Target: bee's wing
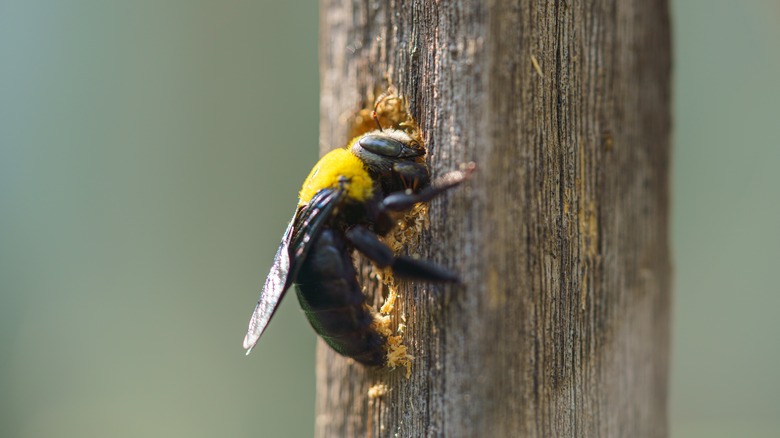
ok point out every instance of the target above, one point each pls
(305, 226)
(273, 291)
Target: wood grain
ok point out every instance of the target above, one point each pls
(561, 237)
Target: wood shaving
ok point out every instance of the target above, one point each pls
(377, 391)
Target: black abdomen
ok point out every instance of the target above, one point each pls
(334, 303)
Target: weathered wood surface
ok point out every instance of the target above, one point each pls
(562, 327)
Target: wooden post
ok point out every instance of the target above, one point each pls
(561, 237)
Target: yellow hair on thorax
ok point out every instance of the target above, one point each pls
(337, 164)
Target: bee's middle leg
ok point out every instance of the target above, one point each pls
(368, 243)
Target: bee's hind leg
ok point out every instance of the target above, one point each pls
(367, 242)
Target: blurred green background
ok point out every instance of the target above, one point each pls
(150, 154)
(726, 219)
(151, 157)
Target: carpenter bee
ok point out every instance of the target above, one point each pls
(352, 196)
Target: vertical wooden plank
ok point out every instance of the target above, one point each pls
(562, 326)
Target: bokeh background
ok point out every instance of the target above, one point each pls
(150, 154)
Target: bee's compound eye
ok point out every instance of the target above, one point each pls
(381, 145)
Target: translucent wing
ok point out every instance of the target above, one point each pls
(272, 293)
(306, 225)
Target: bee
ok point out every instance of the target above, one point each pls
(351, 198)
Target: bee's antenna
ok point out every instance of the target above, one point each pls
(379, 100)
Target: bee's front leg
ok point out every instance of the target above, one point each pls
(401, 201)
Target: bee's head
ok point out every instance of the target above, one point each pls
(379, 150)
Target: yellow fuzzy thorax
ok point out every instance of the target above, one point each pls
(337, 164)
